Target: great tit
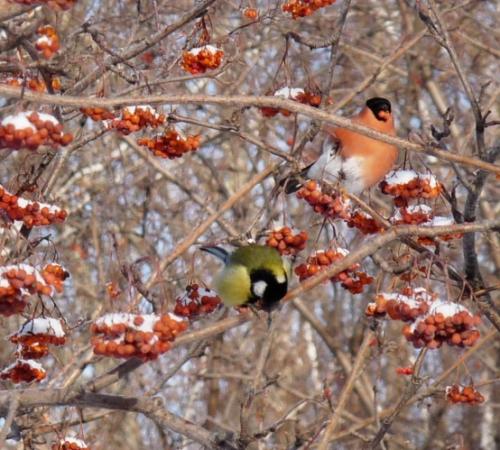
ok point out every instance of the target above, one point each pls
(352, 159)
(254, 275)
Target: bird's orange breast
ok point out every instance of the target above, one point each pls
(378, 157)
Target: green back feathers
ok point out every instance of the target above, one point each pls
(260, 257)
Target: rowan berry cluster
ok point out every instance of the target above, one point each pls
(41, 330)
(331, 205)
(54, 275)
(405, 306)
(70, 443)
(54, 4)
(296, 94)
(33, 83)
(144, 336)
(408, 184)
(23, 371)
(199, 60)
(304, 8)
(172, 144)
(35, 350)
(444, 322)
(350, 278)
(33, 338)
(250, 13)
(364, 222)
(412, 215)
(48, 42)
(97, 114)
(404, 370)
(135, 118)
(287, 243)
(196, 301)
(438, 221)
(30, 212)
(30, 130)
(463, 394)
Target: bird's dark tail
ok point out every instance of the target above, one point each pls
(294, 182)
(218, 252)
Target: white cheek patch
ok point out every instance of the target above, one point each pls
(281, 279)
(258, 288)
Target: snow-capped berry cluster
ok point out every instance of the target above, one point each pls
(30, 130)
(30, 212)
(350, 279)
(332, 206)
(287, 243)
(97, 114)
(412, 215)
(54, 4)
(196, 301)
(303, 8)
(463, 394)
(439, 221)
(145, 336)
(54, 275)
(364, 222)
(405, 306)
(48, 42)
(297, 94)
(408, 184)
(200, 59)
(23, 371)
(172, 144)
(135, 118)
(33, 338)
(17, 283)
(444, 322)
(41, 330)
(33, 83)
(70, 443)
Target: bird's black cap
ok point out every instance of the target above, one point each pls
(377, 104)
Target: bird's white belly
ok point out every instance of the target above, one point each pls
(334, 169)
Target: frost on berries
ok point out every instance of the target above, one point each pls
(31, 213)
(17, 283)
(144, 336)
(196, 301)
(463, 394)
(445, 322)
(408, 184)
(30, 130)
(296, 94)
(135, 118)
(172, 144)
(405, 306)
(23, 371)
(350, 278)
(304, 8)
(42, 330)
(285, 241)
(200, 59)
(70, 443)
(48, 42)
